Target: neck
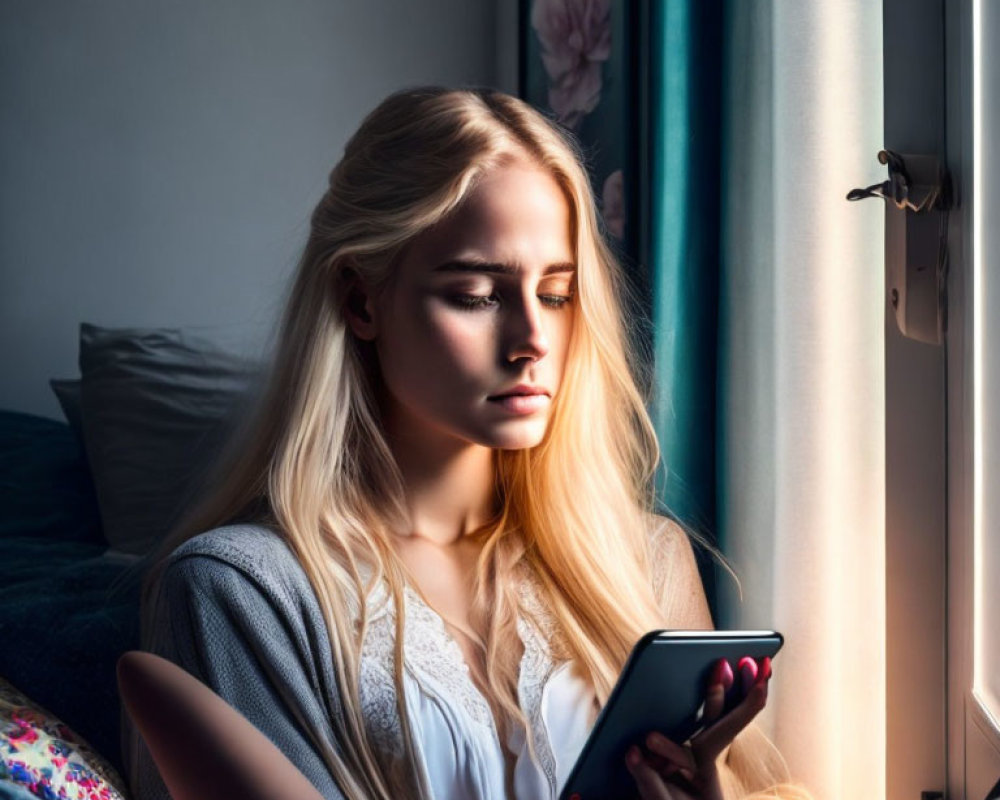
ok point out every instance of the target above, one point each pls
(450, 489)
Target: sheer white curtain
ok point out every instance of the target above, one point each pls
(802, 459)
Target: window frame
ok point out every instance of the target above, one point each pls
(915, 443)
(973, 737)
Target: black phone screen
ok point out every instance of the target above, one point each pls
(661, 688)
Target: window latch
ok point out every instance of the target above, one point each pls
(918, 196)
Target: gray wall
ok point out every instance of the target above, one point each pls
(159, 160)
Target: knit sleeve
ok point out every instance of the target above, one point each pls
(253, 646)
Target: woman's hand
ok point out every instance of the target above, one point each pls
(670, 771)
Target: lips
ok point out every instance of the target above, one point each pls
(522, 399)
(521, 390)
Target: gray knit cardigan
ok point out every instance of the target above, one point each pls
(236, 610)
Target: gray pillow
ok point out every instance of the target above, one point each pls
(156, 406)
(67, 392)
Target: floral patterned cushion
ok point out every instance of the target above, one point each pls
(39, 754)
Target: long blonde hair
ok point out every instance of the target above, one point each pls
(315, 466)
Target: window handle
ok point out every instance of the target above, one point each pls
(918, 196)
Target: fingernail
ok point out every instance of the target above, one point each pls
(722, 674)
(765, 669)
(727, 674)
(655, 740)
(633, 757)
(748, 672)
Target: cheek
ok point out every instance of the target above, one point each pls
(431, 343)
(463, 339)
(560, 339)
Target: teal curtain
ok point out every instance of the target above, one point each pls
(684, 104)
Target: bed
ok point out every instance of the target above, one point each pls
(84, 499)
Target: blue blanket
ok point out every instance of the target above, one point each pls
(66, 613)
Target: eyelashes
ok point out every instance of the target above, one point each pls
(476, 302)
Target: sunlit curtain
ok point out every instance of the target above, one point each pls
(801, 459)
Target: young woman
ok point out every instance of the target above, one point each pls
(425, 562)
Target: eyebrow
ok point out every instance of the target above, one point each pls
(500, 269)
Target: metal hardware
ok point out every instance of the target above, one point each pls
(929, 190)
(918, 195)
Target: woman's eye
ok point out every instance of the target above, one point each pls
(555, 300)
(474, 301)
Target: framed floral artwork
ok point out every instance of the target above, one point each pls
(579, 65)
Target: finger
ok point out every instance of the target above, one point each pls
(679, 757)
(714, 739)
(715, 699)
(747, 669)
(649, 783)
(726, 674)
(715, 695)
(659, 763)
(764, 669)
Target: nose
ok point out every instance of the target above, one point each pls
(525, 333)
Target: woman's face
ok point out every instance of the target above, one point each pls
(473, 331)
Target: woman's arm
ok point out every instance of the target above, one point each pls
(204, 749)
(249, 643)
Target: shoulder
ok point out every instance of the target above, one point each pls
(669, 544)
(228, 586)
(233, 543)
(676, 577)
(237, 562)
(665, 531)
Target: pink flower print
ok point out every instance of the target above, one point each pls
(613, 205)
(27, 716)
(576, 40)
(23, 734)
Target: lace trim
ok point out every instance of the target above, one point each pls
(537, 666)
(435, 658)
(377, 690)
(431, 650)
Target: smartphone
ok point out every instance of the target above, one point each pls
(661, 688)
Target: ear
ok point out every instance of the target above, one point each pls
(359, 308)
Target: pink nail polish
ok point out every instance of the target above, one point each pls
(748, 673)
(727, 675)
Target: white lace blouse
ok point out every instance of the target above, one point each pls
(455, 733)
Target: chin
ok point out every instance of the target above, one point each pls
(522, 436)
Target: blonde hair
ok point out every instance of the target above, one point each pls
(315, 466)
